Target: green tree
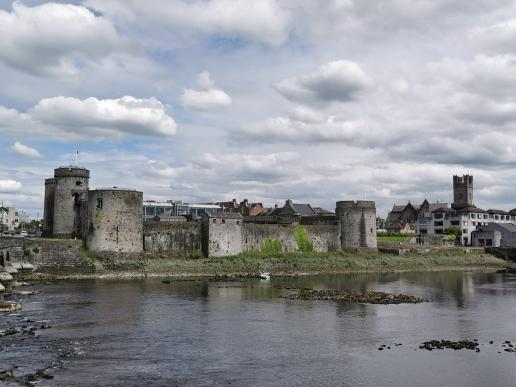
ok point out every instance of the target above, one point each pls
(453, 231)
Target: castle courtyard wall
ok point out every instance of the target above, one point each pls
(173, 239)
(324, 237)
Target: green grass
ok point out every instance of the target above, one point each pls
(392, 238)
(298, 262)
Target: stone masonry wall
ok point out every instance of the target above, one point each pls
(324, 237)
(222, 237)
(46, 254)
(172, 238)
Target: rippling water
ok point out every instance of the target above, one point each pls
(145, 332)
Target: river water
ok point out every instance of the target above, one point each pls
(146, 332)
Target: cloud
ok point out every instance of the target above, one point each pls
(67, 118)
(54, 39)
(337, 81)
(497, 37)
(263, 21)
(9, 186)
(25, 150)
(313, 130)
(208, 99)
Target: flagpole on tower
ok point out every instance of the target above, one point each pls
(77, 158)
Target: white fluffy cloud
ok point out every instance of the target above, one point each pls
(66, 118)
(25, 150)
(8, 186)
(54, 39)
(207, 99)
(337, 81)
(263, 21)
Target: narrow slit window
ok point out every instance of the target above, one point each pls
(100, 203)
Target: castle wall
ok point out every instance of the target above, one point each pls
(70, 184)
(358, 224)
(172, 238)
(115, 219)
(324, 237)
(48, 207)
(222, 237)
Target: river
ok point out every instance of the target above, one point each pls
(146, 332)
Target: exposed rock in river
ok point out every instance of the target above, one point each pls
(448, 344)
(362, 297)
(9, 306)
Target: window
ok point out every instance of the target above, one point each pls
(214, 221)
(438, 224)
(238, 222)
(455, 223)
(485, 216)
(472, 216)
(223, 220)
(439, 231)
(465, 223)
(465, 231)
(478, 216)
(489, 242)
(497, 217)
(78, 183)
(438, 215)
(481, 242)
(423, 231)
(100, 204)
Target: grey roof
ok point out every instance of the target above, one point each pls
(225, 215)
(398, 207)
(303, 209)
(469, 209)
(507, 226)
(444, 209)
(499, 212)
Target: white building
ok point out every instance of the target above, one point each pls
(152, 208)
(11, 218)
(461, 214)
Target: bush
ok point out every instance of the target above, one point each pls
(303, 241)
(197, 254)
(271, 246)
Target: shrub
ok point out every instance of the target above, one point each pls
(197, 254)
(271, 246)
(303, 241)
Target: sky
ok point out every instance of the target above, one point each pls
(210, 100)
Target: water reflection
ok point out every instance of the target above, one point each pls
(199, 332)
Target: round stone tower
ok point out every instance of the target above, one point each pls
(115, 218)
(358, 224)
(48, 209)
(71, 187)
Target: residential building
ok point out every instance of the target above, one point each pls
(462, 214)
(12, 218)
(494, 234)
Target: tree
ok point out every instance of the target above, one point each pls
(453, 231)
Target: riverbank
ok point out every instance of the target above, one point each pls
(282, 264)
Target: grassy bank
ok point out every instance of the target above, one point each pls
(296, 263)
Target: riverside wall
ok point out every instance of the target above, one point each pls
(44, 254)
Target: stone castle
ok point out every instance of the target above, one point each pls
(111, 220)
